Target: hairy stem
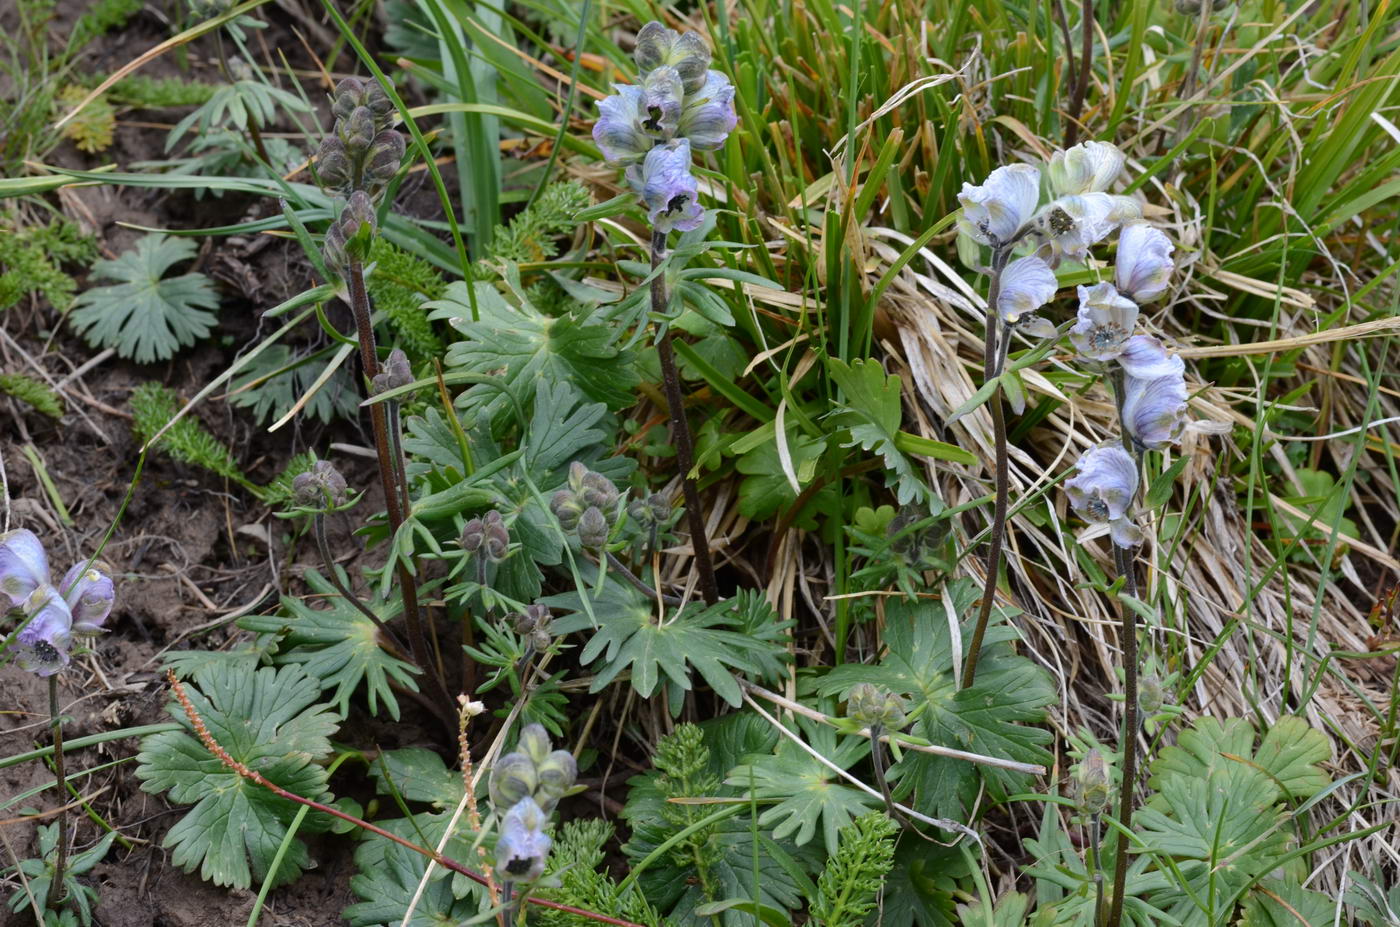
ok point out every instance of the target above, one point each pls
(1124, 561)
(1081, 83)
(395, 495)
(640, 584)
(1096, 839)
(680, 431)
(993, 355)
(56, 892)
(445, 862)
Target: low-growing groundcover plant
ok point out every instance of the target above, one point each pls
(822, 464)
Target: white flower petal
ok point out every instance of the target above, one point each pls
(1026, 284)
(1089, 167)
(994, 212)
(1105, 324)
(1144, 262)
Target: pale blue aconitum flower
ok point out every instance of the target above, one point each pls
(993, 213)
(1089, 167)
(1073, 224)
(658, 46)
(1144, 262)
(1102, 491)
(665, 184)
(1026, 284)
(618, 133)
(663, 95)
(80, 605)
(522, 847)
(1144, 358)
(1106, 321)
(708, 116)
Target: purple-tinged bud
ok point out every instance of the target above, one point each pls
(708, 116)
(1154, 408)
(534, 616)
(349, 93)
(42, 647)
(658, 47)
(396, 372)
(1106, 322)
(1089, 167)
(385, 156)
(90, 595)
(665, 184)
(513, 777)
(473, 535)
(598, 490)
(592, 528)
(320, 486)
(496, 539)
(1144, 262)
(522, 847)
(357, 131)
(565, 506)
(333, 163)
(24, 566)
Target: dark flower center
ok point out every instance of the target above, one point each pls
(1098, 509)
(677, 203)
(1060, 221)
(46, 652)
(1105, 336)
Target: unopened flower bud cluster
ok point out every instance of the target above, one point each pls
(360, 155)
(873, 706)
(79, 605)
(487, 536)
(677, 106)
(525, 787)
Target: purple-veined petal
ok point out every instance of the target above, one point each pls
(1105, 482)
(1089, 167)
(522, 847)
(666, 186)
(1026, 284)
(618, 133)
(662, 99)
(24, 566)
(1144, 358)
(90, 594)
(709, 115)
(1144, 262)
(1154, 409)
(42, 647)
(995, 211)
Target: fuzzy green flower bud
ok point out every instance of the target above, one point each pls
(659, 47)
(385, 156)
(874, 706)
(592, 528)
(534, 743)
(357, 130)
(557, 773)
(1092, 786)
(496, 542)
(566, 507)
(512, 778)
(1151, 694)
(333, 165)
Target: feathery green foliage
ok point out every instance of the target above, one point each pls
(32, 258)
(853, 876)
(188, 441)
(34, 392)
(401, 286)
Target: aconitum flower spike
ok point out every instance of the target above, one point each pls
(1089, 167)
(1105, 324)
(513, 777)
(1144, 262)
(662, 98)
(24, 566)
(995, 211)
(665, 184)
(523, 846)
(90, 594)
(659, 47)
(708, 116)
(1154, 409)
(1026, 284)
(618, 131)
(1103, 489)
(42, 647)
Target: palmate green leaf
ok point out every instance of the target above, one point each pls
(808, 793)
(872, 413)
(146, 316)
(388, 874)
(562, 428)
(267, 720)
(701, 638)
(525, 347)
(992, 717)
(1289, 754)
(1371, 903)
(919, 889)
(1224, 830)
(766, 490)
(339, 646)
(1284, 903)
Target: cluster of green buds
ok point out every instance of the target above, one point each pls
(536, 625)
(396, 372)
(650, 511)
(350, 235)
(875, 707)
(588, 505)
(488, 536)
(525, 787)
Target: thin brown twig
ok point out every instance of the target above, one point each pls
(1081, 83)
(446, 862)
